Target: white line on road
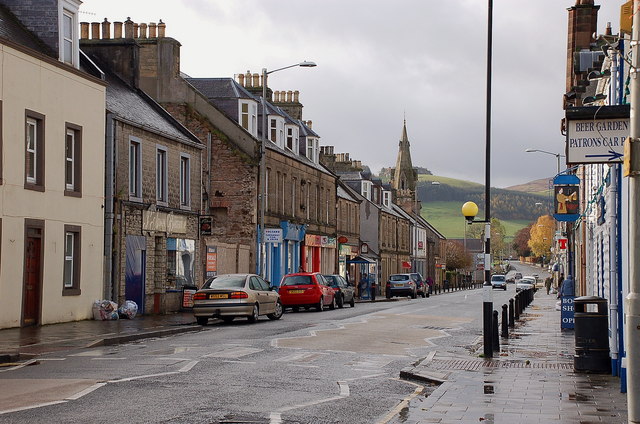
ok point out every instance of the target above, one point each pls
(395, 411)
(188, 367)
(22, 365)
(86, 391)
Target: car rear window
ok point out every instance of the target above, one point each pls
(332, 280)
(225, 282)
(398, 277)
(297, 280)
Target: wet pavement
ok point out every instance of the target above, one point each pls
(530, 381)
(24, 343)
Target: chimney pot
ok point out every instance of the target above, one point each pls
(310, 124)
(95, 30)
(162, 27)
(84, 30)
(106, 29)
(128, 28)
(143, 30)
(241, 79)
(247, 77)
(289, 95)
(256, 80)
(296, 95)
(117, 30)
(136, 30)
(152, 30)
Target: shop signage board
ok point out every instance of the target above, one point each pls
(273, 235)
(567, 312)
(596, 134)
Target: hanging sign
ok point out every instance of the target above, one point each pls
(596, 134)
(566, 198)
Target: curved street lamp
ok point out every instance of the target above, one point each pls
(557, 155)
(263, 168)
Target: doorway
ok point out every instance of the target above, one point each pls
(135, 270)
(32, 289)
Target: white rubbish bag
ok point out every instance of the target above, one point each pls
(128, 310)
(105, 310)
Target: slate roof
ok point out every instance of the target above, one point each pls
(343, 193)
(220, 88)
(139, 109)
(13, 30)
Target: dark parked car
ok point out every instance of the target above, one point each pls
(306, 289)
(401, 285)
(422, 288)
(344, 292)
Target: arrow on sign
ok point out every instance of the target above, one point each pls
(612, 155)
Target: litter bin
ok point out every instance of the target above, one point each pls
(591, 334)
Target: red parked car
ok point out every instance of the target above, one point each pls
(306, 289)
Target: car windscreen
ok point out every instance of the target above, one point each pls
(225, 282)
(297, 280)
(398, 277)
(497, 278)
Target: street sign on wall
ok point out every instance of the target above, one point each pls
(596, 134)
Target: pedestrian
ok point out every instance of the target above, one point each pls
(429, 284)
(567, 288)
(547, 284)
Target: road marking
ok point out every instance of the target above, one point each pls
(395, 411)
(233, 352)
(39, 405)
(108, 359)
(22, 365)
(86, 391)
(139, 377)
(188, 367)
(234, 361)
(303, 366)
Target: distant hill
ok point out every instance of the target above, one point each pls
(443, 197)
(540, 186)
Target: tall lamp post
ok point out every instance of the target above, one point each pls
(263, 167)
(557, 155)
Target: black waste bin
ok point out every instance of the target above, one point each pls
(591, 335)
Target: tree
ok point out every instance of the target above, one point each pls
(541, 236)
(497, 235)
(521, 241)
(457, 256)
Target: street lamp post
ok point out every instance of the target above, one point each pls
(557, 155)
(263, 167)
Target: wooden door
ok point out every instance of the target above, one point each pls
(32, 277)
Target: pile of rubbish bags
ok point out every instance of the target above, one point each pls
(106, 310)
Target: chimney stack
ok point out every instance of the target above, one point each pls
(256, 80)
(247, 79)
(241, 79)
(106, 29)
(95, 30)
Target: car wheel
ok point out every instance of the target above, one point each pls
(277, 313)
(340, 301)
(254, 314)
(320, 304)
(388, 295)
(227, 319)
(332, 306)
(202, 320)
(353, 301)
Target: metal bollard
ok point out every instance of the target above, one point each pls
(512, 314)
(496, 339)
(517, 308)
(505, 322)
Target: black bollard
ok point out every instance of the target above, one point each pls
(512, 314)
(505, 323)
(496, 339)
(517, 306)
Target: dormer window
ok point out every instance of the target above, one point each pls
(276, 130)
(68, 33)
(386, 198)
(248, 116)
(312, 149)
(366, 190)
(292, 137)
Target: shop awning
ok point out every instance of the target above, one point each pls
(363, 259)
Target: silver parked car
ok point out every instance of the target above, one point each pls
(236, 295)
(344, 292)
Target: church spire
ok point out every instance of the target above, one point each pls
(404, 176)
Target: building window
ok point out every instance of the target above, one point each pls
(249, 117)
(366, 190)
(386, 198)
(292, 138)
(273, 130)
(135, 169)
(266, 189)
(68, 35)
(161, 174)
(34, 151)
(294, 189)
(312, 149)
(71, 274)
(185, 181)
(73, 160)
(284, 194)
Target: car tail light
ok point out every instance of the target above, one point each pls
(238, 295)
(199, 296)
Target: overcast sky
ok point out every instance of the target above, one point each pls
(379, 61)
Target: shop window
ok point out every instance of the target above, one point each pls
(181, 256)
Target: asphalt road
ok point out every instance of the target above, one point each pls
(330, 367)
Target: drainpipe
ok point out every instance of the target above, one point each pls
(612, 220)
(110, 289)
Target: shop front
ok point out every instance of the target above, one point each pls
(319, 254)
(283, 246)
